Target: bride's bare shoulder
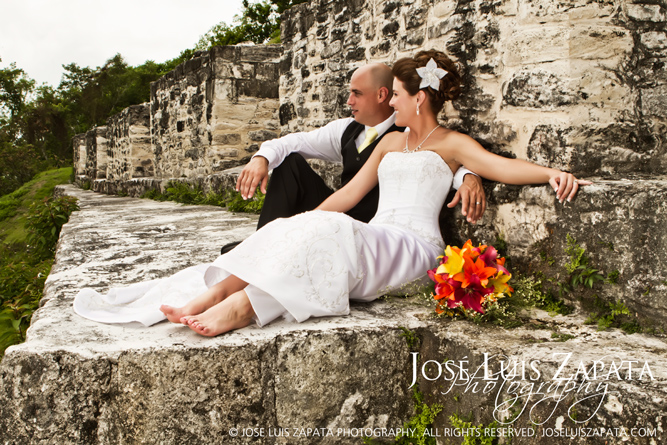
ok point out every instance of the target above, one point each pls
(391, 142)
(394, 136)
(454, 138)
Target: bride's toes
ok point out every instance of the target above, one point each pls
(173, 314)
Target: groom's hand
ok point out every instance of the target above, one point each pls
(254, 173)
(472, 198)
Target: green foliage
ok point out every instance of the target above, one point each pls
(581, 272)
(187, 194)
(236, 203)
(557, 336)
(576, 254)
(420, 422)
(21, 285)
(15, 86)
(613, 314)
(547, 259)
(480, 436)
(528, 292)
(411, 338)
(10, 203)
(45, 221)
(24, 269)
(612, 278)
(19, 162)
(259, 22)
(15, 205)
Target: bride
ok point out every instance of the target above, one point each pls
(312, 264)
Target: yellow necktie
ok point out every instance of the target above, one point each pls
(371, 134)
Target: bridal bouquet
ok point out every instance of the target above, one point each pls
(469, 278)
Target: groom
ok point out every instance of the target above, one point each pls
(296, 188)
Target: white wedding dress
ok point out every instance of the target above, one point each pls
(313, 264)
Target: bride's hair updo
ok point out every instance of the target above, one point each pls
(405, 70)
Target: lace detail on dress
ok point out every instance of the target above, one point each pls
(320, 242)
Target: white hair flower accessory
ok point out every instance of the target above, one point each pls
(431, 75)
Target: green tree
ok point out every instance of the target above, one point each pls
(15, 86)
(259, 23)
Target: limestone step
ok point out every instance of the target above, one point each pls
(76, 381)
(620, 223)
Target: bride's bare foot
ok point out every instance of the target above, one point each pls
(214, 295)
(234, 312)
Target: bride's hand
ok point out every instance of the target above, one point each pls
(566, 185)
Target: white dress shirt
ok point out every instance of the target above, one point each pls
(324, 143)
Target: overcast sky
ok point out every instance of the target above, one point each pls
(42, 35)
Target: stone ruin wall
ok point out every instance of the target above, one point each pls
(129, 149)
(79, 153)
(212, 112)
(209, 114)
(580, 85)
(96, 140)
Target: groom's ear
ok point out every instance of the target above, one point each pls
(383, 94)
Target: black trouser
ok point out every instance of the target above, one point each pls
(294, 188)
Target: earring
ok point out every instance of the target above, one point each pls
(417, 109)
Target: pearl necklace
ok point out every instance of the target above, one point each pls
(407, 150)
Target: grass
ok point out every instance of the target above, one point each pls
(29, 227)
(14, 206)
(189, 194)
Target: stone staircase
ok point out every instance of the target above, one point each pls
(329, 380)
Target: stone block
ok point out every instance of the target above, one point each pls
(243, 70)
(75, 381)
(538, 89)
(654, 40)
(624, 214)
(227, 138)
(526, 45)
(262, 135)
(332, 49)
(646, 13)
(608, 44)
(444, 8)
(548, 11)
(654, 101)
(257, 88)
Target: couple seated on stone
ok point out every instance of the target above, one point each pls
(312, 264)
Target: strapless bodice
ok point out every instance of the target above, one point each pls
(413, 188)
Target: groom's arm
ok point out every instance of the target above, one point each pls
(323, 143)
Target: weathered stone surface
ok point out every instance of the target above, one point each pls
(96, 142)
(578, 85)
(130, 151)
(79, 153)
(76, 381)
(646, 13)
(538, 89)
(217, 99)
(620, 223)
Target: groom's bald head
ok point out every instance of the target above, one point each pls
(381, 75)
(370, 92)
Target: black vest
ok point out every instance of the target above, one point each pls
(352, 163)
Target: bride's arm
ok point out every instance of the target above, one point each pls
(362, 183)
(512, 171)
